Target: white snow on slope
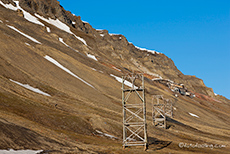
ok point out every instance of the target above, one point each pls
(27, 44)
(96, 70)
(111, 34)
(193, 115)
(57, 23)
(9, 6)
(92, 57)
(11, 151)
(154, 74)
(99, 29)
(26, 14)
(62, 41)
(30, 88)
(102, 35)
(150, 51)
(93, 69)
(107, 135)
(127, 83)
(81, 39)
(48, 29)
(116, 68)
(29, 37)
(1, 20)
(85, 22)
(65, 69)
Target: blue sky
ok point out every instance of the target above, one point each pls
(195, 34)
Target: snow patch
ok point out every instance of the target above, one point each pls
(111, 34)
(99, 29)
(93, 69)
(154, 74)
(81, 39)
(156, 79)
(84, 22)
(127, 83)
(150, 51)
(11, 151)
(30, 88)
(193, 115)
(26, 14)
(62, 41)
(116, 68)
(96, 70)
(9, 6)
(106, 135)
(57, 23)
(29, 37)
(1, 20)
(66, 70)
(48, 29)
(27, 44)
(92, 57)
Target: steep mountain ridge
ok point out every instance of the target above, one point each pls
(115, 46)
(47, 48)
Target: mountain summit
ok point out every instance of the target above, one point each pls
(60, 88)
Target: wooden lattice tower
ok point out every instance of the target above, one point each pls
(134, 111)
(168, 108)
(161, 108)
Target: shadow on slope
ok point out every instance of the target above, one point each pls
(14, 136)
(156, 144)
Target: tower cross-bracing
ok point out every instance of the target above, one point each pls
(134, 110)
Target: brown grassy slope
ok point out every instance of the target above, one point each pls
(67, 121)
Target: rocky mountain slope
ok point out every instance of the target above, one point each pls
(59, 87)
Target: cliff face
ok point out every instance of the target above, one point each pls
(59, 86)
